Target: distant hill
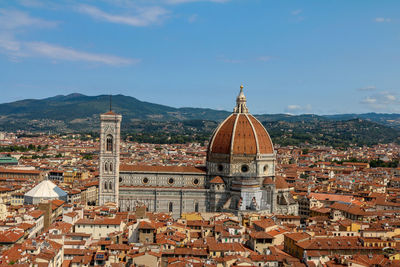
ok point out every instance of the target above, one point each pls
(392, 120)
(80, 113)
(340, 133)
(78, 106)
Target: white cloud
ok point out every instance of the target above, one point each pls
(382, 101)
(15, 50)
(381, 19)
(296, 12)
(8, 43)
(14, 19)
(13, 22)
(144, 16)
(296, 109)
(69, 54)
(369, 100)
(293, 107)
(389, 97)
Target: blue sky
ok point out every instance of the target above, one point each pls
(322, 57)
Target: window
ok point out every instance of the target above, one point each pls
(109, 143)
(105, 186)
(266, 168)
(196, 181)
(245, 168)
(145, 180)
(196, 207)
(105, 167)
(171, 180)
(110, 187)
(111, 167)
(170, 207)
(220, 168)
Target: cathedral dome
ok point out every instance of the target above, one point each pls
(240, 134)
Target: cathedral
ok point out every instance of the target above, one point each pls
(239, 175)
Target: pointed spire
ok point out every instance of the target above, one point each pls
(241, 103)
(110, 103)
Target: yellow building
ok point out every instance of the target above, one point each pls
(192, 216)
(5, 194)
(17, 199)
(73, 175)
(349, 226)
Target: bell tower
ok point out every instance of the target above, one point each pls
(110, 128)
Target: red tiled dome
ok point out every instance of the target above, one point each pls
(241, 134)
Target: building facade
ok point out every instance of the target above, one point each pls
(110, 129)
(239, 175)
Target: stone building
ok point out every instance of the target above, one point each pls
(239, 175)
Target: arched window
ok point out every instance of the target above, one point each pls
(111, 167)
(170, 207)
(106, 167)
(105, 186)
(109, 143)
(196, 207)
(110, 187)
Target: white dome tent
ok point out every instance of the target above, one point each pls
(46, 190)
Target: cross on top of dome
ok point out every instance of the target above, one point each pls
(241, 103)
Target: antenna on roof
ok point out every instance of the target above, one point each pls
(110, 103)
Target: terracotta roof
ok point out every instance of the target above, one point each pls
(214, 246)
(268, 180)
(280, 183)
(110, 113)
(241, 134)
(146, 225)
(25, 226)
(221, 140)
(332, 197)
(260, 235)
(264, 141)
(298, 236)
(13, 254)
(338, 243)
(57, 202)
(264, 223)
(217, 180)
(349, 208)
(11, 236)
(4, 170)
(73, 251)
(244, 140)
(36, 213)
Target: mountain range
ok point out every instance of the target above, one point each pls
(78, 112)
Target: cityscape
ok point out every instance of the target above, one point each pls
(271, 173)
